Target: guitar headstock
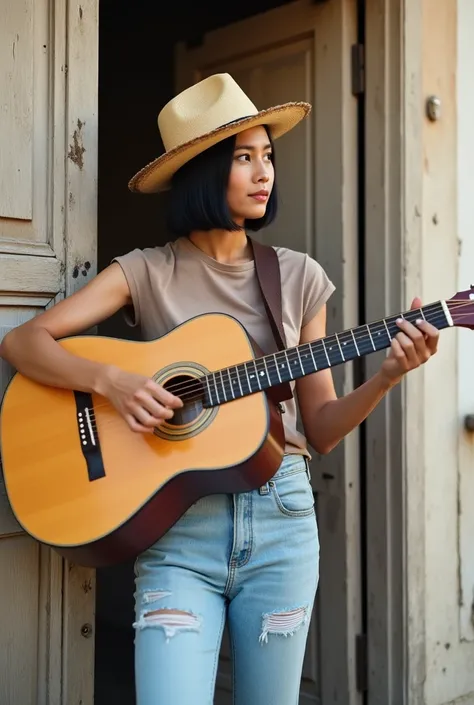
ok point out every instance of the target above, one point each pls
(461, 308)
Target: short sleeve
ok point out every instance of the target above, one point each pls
(316, 291)
(134, 267)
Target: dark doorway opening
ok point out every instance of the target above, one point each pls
(136, 78)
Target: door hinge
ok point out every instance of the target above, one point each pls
(362, 681)
(358, 69)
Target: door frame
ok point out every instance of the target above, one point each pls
(332, 26)
(390, 195)
(402, 67)
(79, 173)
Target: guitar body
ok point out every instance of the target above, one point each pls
(79, 480)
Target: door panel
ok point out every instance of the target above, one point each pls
(27, 129)
(48, 55)
(282, 63)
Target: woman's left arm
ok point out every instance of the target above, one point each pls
(328, 419)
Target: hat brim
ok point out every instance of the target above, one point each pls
(157, 175)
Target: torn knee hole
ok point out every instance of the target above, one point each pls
(283, 623)
(170, 613)
(170, 620)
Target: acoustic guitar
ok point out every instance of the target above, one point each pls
(79, 480)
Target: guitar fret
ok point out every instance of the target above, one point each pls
(230, 383)
(248, 378)
(386, 328)
(215, 388)
(238, 380)
(327, 356)
(355, 343)
(307, 363)
(342, 354)
(288, 364)
(299, 358)
(284, 366)
(208, 389)
(312, 355)
(263, 373)
(223, 386)
(255, 374)
(370, 336)
(267, 372)
(276, 366)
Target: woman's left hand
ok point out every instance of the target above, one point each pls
(412, 347)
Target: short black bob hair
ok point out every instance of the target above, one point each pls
(197, 199)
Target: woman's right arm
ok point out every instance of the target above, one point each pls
(32, 350)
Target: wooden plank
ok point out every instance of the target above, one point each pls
(82, 121)
(335, 208)
(412, 189)
(384, 296)
(50, 628)
(81, 247)
(19, 609)
(25, 274)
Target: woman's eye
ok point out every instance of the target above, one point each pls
(247, 157)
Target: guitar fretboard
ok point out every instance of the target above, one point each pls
(285, 366)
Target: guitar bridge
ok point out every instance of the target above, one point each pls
(88, 436)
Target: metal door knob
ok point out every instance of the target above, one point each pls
(469, 422)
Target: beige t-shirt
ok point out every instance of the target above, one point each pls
(171, 284)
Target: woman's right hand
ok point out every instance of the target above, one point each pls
(143, 403)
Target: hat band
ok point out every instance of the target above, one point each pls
(244, 117)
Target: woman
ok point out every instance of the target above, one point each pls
(250, 559)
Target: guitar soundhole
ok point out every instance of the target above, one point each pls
(190, 391)
(183, 380)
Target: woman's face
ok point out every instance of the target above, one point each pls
(251, 176)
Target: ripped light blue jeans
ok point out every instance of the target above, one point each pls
(250, 560)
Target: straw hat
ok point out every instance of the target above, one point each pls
(203, 115)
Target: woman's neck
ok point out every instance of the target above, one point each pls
(224, 246)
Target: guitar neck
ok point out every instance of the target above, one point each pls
(285, 366)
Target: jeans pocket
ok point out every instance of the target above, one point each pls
(293, 494)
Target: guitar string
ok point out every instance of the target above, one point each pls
(375, 329)
(190, 387)
(290, 355)
(227, 390)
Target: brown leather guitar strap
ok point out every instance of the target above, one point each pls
(267, 268)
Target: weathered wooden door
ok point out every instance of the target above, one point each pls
(301, 52)
(48, 145)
